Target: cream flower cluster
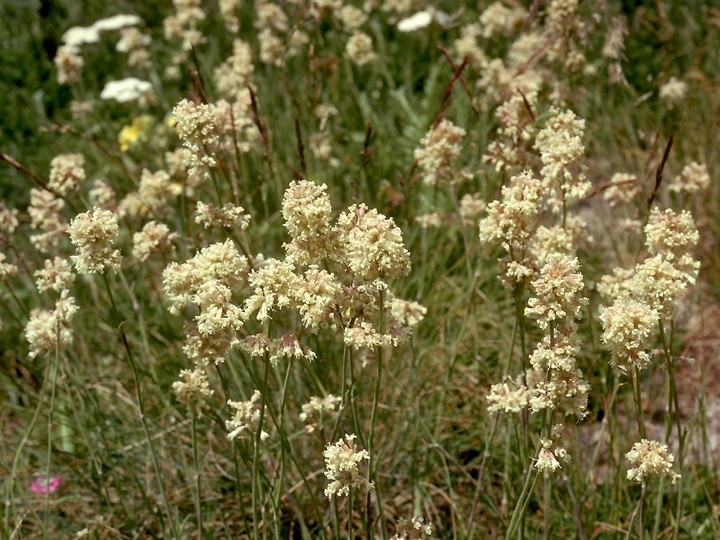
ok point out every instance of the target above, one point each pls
(557, 291)
(246, 418)
(650, 458)
(561, 149)
(317, 409)
(341, 467)
(93, 233)
(192, 388)
(48, 329)
(66, 173)
(436, 157)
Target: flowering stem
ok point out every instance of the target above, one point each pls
(53, 385)
(281, 474)
(528, 488)
(372, 466)
(547, 492)
(198, 507)
(256, 448)
(350, 514)
(141, 403)
(637, 398)
(286, 442)
(674, 415)
(638, 508)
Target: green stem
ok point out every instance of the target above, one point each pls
(53, 386)
(141, 404)
(196, 464)
(256, 448)
(372, 465)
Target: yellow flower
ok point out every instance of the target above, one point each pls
(138, 131)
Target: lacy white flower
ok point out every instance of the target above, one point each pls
(316, 296)
(419, 20)
(650, 458)
(547, 459)
(415, 529)
(274, 287)
(129, 89)
(116, 22)
(8, 219)
(93, 233)
(80, 35)
(512, 219)
(221, 262)
(407, 313)
(341, 467)
(561, 148)
(6, 269)
(217, 313)
(673, 91)
(66, 172)
(623, 188)
(661, 283)
(670, 233)
(306, 211)
(69, 64)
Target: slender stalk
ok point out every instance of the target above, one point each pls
(350, 514)
(141, 404)
(637, 398)
(638, 509)
(53, 386)
(372, 465)
(196, 464)
(521, 505)
(673, 401)
(256, 449)
(547, 492)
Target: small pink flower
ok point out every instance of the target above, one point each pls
(41, 485)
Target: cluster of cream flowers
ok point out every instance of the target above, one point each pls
(436, 157)
(551, 454)
(48, 329)
(246, 418)
(341, 467)
(693, 178)
(650, 458)
(66, 173)
(192, 388)
(209, 131)
(45, 213)
(93, 233)
(643, 296)
(561, 149)
(318, 409)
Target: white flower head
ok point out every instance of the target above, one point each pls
(125, 90)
